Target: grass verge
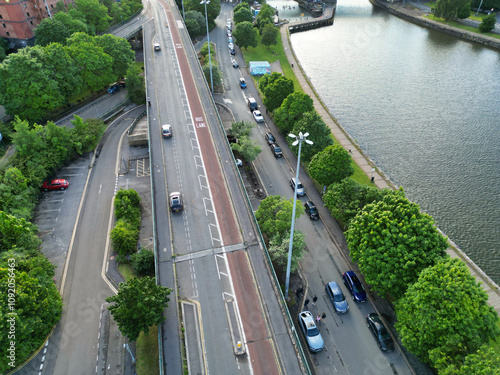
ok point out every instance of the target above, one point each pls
(147, 353)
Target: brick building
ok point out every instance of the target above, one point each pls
(18, 19)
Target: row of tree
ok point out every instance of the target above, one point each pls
(461, 9)
(40, 150)
(443, 315)
(37, 80)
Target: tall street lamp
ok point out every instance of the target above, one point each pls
(206, 2)
(301, 138)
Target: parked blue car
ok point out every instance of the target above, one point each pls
(243, 84)
(354, 286)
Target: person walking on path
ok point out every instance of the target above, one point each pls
(318, 319)
(323, 316)
(305, 303)
(299, 292)
(314, 300)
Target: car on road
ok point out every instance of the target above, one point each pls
(232, 51)
(166, 131)
(270, 138)
(300, 188)
(157, 47)
(230, 45)
(377, 328)
(235, 63)
(176, 202)
(229, 33)
(354, 286)
(311, 210)
(113, 88)
(336, 296)
(276, 150)
(243, 84)
(57, 184)
(252, 104)
(258, 116)
(308, 327)
(230, 39)
(239, 163)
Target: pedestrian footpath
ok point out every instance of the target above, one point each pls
(378, 178)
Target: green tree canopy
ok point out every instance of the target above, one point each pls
(484, 361)
(26, 87)
(61, 68)
(243, 15)
(136, 90)
(38, 304)
(319, 133)
(95, 14)
(444, 316)
(333, 164)
(213, 10)
(488, 23)
(50, 30)
(291, 110)
(119, 49)
(266, 13)
(15, 195)
(278, 249)
(392, 242)
(17, 234)
(95, 66)
(124, 238)
(276, 91)
(143, 262)
(138, 305)
(449, 9)
(241, 128)
(74, 25)
(248, 148)
(274, 214)
(216, 75)
(245, 35)
(195, 23)
(269, 35)
(346, 198)
(242, 5)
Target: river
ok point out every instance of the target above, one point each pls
(425, 107)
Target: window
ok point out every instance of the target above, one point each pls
(31, 22)
(1, 17)
(4, 25)
(28, 13)
(52, 6)
(7, 33)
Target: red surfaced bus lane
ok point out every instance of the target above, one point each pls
(258, 337)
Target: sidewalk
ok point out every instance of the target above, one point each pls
(381, 181)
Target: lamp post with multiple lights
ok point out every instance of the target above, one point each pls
(206, 2)
(301, 138)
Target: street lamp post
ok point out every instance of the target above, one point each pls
(209, 47)
(301, 138)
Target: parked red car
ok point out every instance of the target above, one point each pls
(57, 184)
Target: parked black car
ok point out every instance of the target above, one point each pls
(270, 138)
(384, 339)
(311, 210)
(354, 286)
(276, 151)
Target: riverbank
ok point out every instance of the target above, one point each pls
(417, 16)
(369, 167)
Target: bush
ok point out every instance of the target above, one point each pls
(124, 238)
(488, 23)
(143, 262)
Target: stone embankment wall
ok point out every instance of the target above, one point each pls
(418, 19)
